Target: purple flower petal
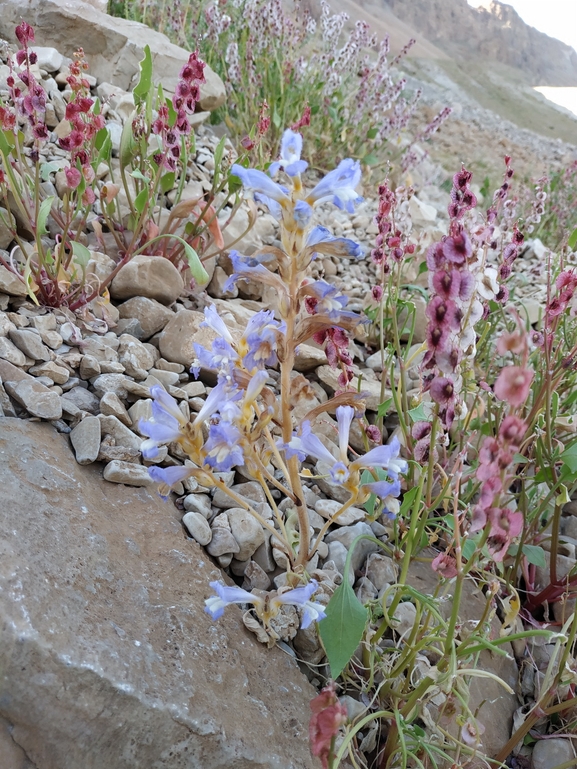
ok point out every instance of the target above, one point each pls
(169, 475)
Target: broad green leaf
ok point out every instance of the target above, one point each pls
(167, 181)
(372, 133)
(142, 88)
(7, 142)
(572, 242)
(418, 414)
(128, 145)
(195, 265)
(81, 255)
(408, 501)
(43, 214)
(533, 553)
(48, 168)
(218, 152)
(342, 629)
(384, 407)
(519, 459)
(469, 548)
(370, 160)
(276, 119)
(423, 267)
(140, 200)
(172, 113)
(569, 457)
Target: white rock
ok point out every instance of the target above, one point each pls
(198, 527)
(127, 473)
(48, 58)
(198, 503)
(85, 439)
(329, 507)
(247, 531)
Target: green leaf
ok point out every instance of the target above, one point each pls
(469, 548)
(423, 267)
(384, 407)
(144, 84)
(569, 457)
(367, 477)
(533, 553)
(43, 214)
(7, 142)
(372, 133)
(219, 152)
(408, 501)
(370, 160)
(48, 168)
(140, 200)
(572, 242)
(342, 629)
(194, 264)
(128, 145)
(276, 119)
(137, 174)
(81, 255)
(418, 414)
(167, 182)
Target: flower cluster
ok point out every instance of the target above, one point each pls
(30, 102)
(495, 473)
(84, 125)
(186, 95)
(267, 607)
(391, 242)
(245, 420)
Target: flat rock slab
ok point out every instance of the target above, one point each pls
(107, 656)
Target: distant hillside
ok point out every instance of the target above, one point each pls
(496, 33)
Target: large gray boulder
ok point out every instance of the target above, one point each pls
(107, 659)
(113, 47)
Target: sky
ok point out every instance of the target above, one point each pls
(557, 18)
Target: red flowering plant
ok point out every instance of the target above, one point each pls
(490, 439)
(63, 205)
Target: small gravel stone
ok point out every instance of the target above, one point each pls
(381, 570)
(30, 343)
(85, 439)
(89, 367)
(329, 507)
(246, 530)
(110, 425)
(127, 473)
(198, 527)
(11, 353)
(83, 399)
(198, 503)
(111, 405)
(115, 383)
(151, 315)
(36, 399)
(57, 374)
(346, 535)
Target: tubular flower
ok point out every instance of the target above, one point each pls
(267, 607)
(290, 155)
(339, 186)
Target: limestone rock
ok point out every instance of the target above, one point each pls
(127, 473)
(328, 507)
(10, 283)
(151, 276)
(85, 439)
(198, 527)
(30, 343)
(37, 399)
(547, 754)
(151, 315)
(247, 531)
(88, 678)
(176, 341)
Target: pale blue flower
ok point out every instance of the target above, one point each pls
(258, 181)
(213, 320)
(216, 604)
(386, 457)
(325, 243)
(167, 477)
(388, 492)
(300, 596)
(222, 448)
(166, 423)
(302, 214)
(274, 207)
(338, 186)
(290, 155)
